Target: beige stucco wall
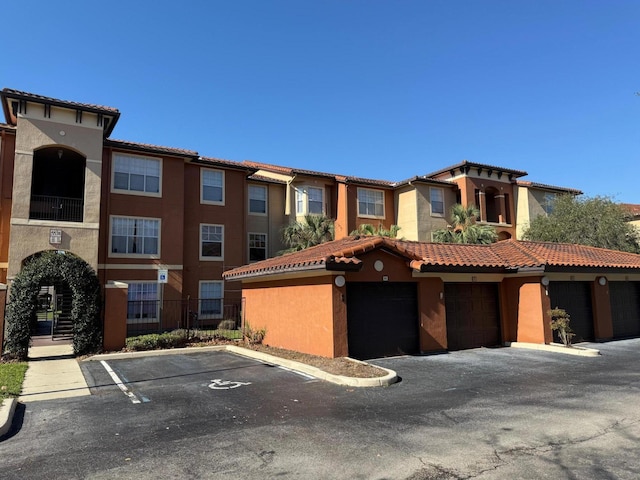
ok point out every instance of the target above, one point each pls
(529, 204)
(34, 132)
(272, 222)
(406, 213)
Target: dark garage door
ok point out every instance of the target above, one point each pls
(473, 315)
(575, 299)
(382, 319)
(625, 308)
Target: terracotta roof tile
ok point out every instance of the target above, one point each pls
(150, 148)
(544, 186)
(9, 92)
(508, 255)
(632, 208)
(220, 162)
(262, 178)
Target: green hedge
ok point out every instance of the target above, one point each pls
(47, 269)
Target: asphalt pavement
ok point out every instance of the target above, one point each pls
(485, 413)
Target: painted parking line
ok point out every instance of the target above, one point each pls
(305, 375)
(119, 383)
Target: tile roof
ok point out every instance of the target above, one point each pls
(467, 163)
(508, 256)
(544, 186)
(425, 179)
(261, 178)
(146, 147)
(632, 208)
(11, 93)
(220, 162)
(334, 176)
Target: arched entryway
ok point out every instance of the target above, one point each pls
(47, 269)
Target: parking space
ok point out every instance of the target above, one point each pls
(483, 413)
(170, 378)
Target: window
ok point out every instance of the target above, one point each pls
(309, 200)
(142, 305)
(135, 236)
(211, 297)
(212, 186)
(136, 174)
(370, 203)
(437, 201)
(211, 242)
(257, 199)
(547, 204)
(257, 247)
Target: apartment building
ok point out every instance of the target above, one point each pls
(131, 210)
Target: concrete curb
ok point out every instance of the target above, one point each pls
(7, 408)
(388, 379)
(557, 348)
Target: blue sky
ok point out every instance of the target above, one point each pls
(378, 89)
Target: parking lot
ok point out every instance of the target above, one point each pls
(485, 413)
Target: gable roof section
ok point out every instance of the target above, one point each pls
(466, 165)
(507, 256)
(8, 93)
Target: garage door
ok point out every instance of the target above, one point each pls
(473, 315)
(382, 319)
(625, 308)
(575, 299)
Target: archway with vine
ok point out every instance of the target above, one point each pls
(44, 269)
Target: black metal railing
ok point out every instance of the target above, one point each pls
(196, 316)
(61, 209)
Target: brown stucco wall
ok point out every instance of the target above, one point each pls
(115, 316)
(602, 320)
(433, 321)
(7, 149)
(304, 318)
(3, 301)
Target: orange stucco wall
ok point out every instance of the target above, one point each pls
(298, 315)
(525, 304)
(7, 149)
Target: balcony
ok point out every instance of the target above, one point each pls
(57, 209)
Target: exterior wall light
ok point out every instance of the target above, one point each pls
(545, 281)
(602, 281)
(339, 281)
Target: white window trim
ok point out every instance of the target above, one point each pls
(136, 321)
(304, 191)
(210, 259)
(266, 201)
(266, 246)
(134, 192)
(437, 214)
(200, 299)
(135, 255)
(224, 187)
(364, 215)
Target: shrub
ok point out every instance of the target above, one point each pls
(155, 341)
(254, 337)
(560, 323)
(227, 325)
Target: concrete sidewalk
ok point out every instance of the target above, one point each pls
(53, 373)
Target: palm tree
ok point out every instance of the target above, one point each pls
(313, 230)
(464, 229)
(366, 229)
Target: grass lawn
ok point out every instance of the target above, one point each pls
(11, 378)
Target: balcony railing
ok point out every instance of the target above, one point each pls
(60, 209)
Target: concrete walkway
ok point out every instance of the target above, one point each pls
(53, 373)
